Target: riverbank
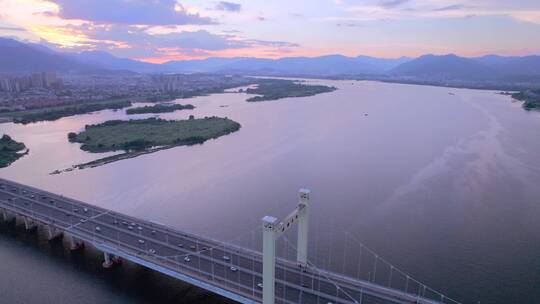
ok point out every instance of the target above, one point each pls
(273, 89)
(57, 112)
(10, 150)
(159, 108)
(143, 136)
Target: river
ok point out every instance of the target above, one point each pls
(444, 186)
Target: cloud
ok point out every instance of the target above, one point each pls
(149, 12)
(449, 8)
(12, 29)
(392, 3)
(228, 6)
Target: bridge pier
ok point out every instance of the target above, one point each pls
(108, 260)
(53, 232)
(7, 216)
(29, 223)
(75, 244)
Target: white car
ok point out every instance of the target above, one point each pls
(98, 229)
(260, 285)
(234, 269)
(187, 259)
(226, 258)
(152, 251)
(141, 242)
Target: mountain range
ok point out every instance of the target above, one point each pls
(19, 57)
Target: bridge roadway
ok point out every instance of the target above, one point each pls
(225, 269)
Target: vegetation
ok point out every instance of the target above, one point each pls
(272, 89)
(159, 108)
(138, 137)
(10, 151)
(54, 113)
(530, 98)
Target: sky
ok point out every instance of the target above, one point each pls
(163, 30)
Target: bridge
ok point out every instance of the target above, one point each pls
(241, 274)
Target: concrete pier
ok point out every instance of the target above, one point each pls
(29, 224)
(75, 244)
(107, 263)
(53, 232)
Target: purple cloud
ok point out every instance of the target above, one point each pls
(149, 12)
(228, 6)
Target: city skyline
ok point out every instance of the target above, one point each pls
(162, 30)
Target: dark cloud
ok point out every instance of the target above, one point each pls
(12, 29)
(151, 12)
(450, 8)
(136, 42)
(392, 3)
(228, 6)
(349, 24)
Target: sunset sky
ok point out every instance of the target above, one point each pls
(161, 30)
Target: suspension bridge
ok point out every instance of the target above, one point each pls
(242, 274)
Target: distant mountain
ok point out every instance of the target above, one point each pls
(104, 60)
(519, 66)
(443, 67)
(17, 57)
(324, 65)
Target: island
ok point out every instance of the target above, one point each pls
(54, 113)
(143, 136)
(159, 108)
(272, 89)
(10, 150)
(530, 98)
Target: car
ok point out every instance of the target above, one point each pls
(187, 259)
(152, 251)
(98, 229)
(124, 223)
(153, 232)
(32, 196)
(85, 209)
(305, 285)
(234, 269)
(193, 247)
(76, 210)
(140, 228)
(83, 221)
(260, 285)
(24, 191)
(51, 201)
(130, 227)
(115, 222)
(226, 258)
(181, 245)
(10, 199)
(141, 242)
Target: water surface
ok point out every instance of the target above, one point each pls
(443, 186)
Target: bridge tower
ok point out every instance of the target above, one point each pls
(273, 230)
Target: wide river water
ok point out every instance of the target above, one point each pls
(444, 186)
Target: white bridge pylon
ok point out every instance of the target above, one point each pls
(273, 230)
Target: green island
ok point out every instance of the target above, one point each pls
(530, 98)
(159, 108)
(54, 113)
(272, 89)
(10, 150)
(143, 136)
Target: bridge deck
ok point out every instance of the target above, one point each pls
(208, 263)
